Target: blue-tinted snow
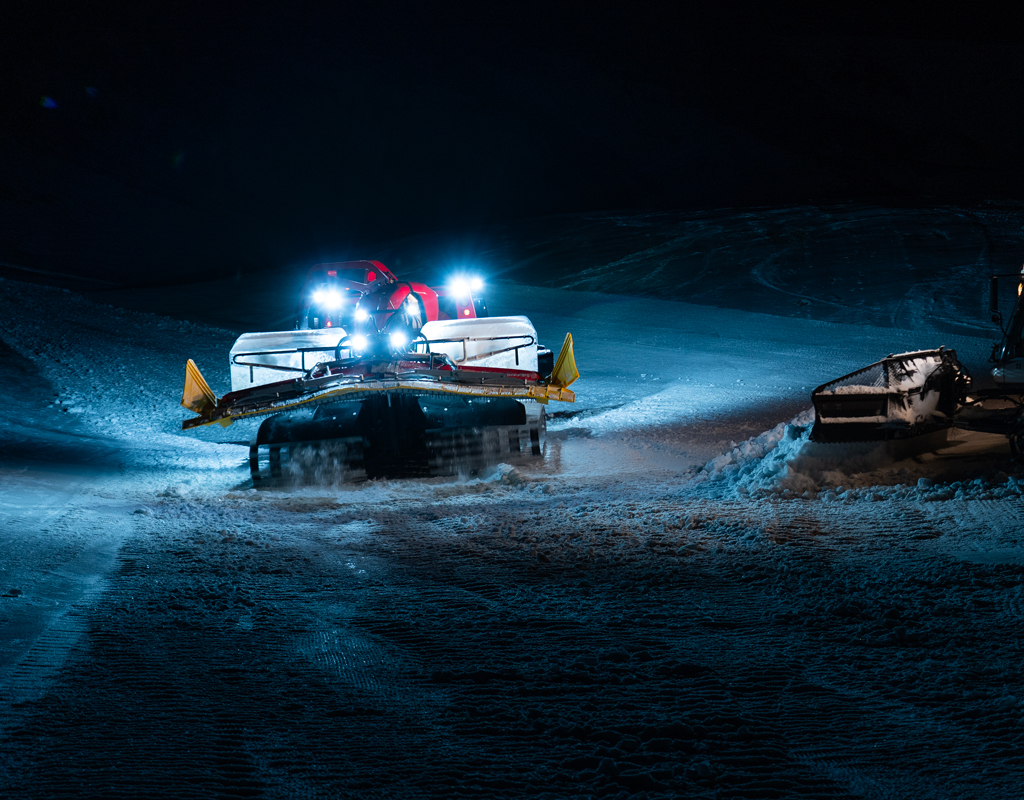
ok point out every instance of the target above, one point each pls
(671, 598)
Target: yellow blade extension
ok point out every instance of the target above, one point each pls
(565, 371)
(197, 395)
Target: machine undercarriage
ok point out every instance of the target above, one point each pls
(399, 434)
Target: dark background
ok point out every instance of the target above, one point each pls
(151, 143)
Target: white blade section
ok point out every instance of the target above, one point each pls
(268, 357)
(500, 342)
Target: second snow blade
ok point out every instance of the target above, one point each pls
(896, 398)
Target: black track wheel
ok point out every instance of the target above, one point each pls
(275, 461)
(254, 460)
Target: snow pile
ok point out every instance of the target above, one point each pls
(784, 462)
(767, 463)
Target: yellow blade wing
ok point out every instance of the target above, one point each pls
(197, 395)
(565, 371)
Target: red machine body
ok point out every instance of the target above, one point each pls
(359, 294)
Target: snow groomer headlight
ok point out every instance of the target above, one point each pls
(328, 298)
(464, 287)
(377, 345)
(361, 345)
(398, 341)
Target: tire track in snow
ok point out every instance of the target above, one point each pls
(507, 643)
(44, 622)
(351, 659)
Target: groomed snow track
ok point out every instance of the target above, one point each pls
(407, 650)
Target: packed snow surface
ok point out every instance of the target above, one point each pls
(686, 598)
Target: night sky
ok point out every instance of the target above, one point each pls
(160, 142)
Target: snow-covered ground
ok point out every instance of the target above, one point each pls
(686, 598)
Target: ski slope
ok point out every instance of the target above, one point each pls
(686, 598)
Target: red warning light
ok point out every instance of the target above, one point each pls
(328, 323)
(371, 276)
(333, 273)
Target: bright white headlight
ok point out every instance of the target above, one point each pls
(460, 288)
(399, 340)
(476, 284)
(361, 314)
(358, 343)
(319, 296)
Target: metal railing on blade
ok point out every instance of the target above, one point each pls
(282, 367)
(528, 341)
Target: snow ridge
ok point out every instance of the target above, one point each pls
(783, 462)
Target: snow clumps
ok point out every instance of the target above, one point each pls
(783, 462)
(769, 463)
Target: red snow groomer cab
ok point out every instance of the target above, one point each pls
(332, 292)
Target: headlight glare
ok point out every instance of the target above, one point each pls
(459, 287)
(399, 340)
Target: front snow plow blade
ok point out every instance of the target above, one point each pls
(901, 396)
